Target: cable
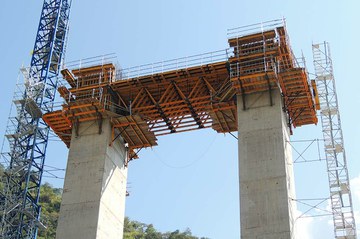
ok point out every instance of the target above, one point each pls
(189, 164)
(304, 140)
(55, 168)
(233, 136)
(53, 177)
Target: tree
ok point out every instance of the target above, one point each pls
(138, 230)
(2, 176)
(134, 229)
(50, 200)
(151, 233)
(180, 235)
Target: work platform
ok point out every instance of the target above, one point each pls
(187, 94)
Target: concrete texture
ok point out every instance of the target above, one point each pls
(93, 200)
(265, 169)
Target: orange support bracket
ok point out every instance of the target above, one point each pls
(316, 95)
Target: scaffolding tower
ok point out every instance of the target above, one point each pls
(340, 194)
(27, 133)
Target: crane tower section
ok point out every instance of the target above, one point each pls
(340, 194)
(27, 133)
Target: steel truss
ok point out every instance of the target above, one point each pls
(27, 133)
(340, 194)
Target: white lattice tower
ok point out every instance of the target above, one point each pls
(340, 194)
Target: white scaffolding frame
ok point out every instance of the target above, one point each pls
(340, 194)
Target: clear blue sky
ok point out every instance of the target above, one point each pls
(190, 180)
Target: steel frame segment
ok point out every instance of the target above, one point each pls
(194, 114)
(199, 84)
(161, 112)
(339, 183)
(135, 132)
(21, 212)
(228, 120)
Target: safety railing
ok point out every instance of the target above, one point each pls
(254, 28)
(170, 65)
(95, 95)
(265, 64)
(91, 61)
(254, 66)
(84, 95)
(257, 47)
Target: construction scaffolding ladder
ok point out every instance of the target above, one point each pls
(340, 194)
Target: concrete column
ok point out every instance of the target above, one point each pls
(93, 200)
(265, 169)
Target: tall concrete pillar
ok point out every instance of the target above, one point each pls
(93, 200)
(265, 169)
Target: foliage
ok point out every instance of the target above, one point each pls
(50, 200)
(2, 170)
(138, 230)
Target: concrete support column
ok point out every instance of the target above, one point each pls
(265, 168)
(93, 200)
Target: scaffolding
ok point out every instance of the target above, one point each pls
(340, 194)
(264, 61)
(27, 133)
(184, 94)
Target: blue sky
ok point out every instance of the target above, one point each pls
(190, 179)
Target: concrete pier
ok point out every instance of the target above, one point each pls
(265, 168)
(93, 200)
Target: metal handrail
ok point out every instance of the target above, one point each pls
(174, 64)
(254, 28)
(91, 61)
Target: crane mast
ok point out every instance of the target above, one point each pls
(27, 133)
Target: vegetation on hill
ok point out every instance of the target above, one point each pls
(50, 200)
(138, 230)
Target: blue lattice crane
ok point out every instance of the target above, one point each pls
(27, 133)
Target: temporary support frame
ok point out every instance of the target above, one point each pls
(263, 61)
(188, 93)
(340, 193)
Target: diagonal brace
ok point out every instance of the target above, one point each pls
(160, 110)
(189, 105)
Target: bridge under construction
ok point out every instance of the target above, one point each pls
(256, 87)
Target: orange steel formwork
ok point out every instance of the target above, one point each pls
(144, 106)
